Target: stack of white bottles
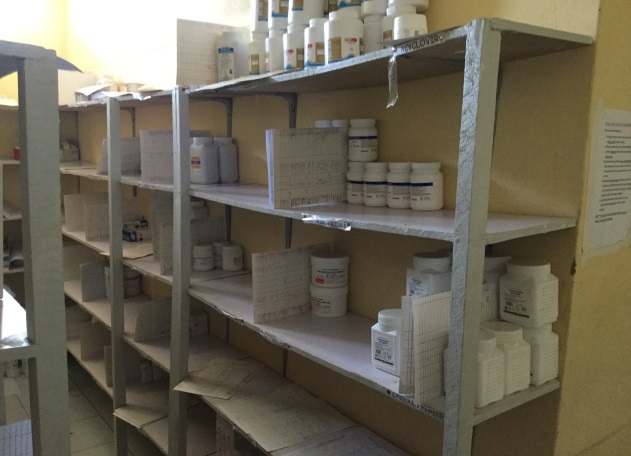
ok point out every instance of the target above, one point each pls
(403, 19)
(329, 284)
(227, 256)
(203, 257)
(214, 160)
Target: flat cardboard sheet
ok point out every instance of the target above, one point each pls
(92, 281)
(153, 319)
(140, 250)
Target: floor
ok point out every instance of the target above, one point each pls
(90, 410)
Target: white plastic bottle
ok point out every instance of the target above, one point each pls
(426, 187)
(373, 8)
(394, 10)
(409, 26)
(256, 54)
(386, 341)
(544, 346)
(398, 190)
(301, 11)
(232, 59)
(420, 5)
(278, 12)
(323, 124)
(494, 268)
(355, 183)
(314, 43)
(343, 34)
(274, 50)
(529, 294)
(228, 161)
(372, 33)
(354, 5)
(260, 11)
(375, 181)
(204, 161)
(516, 351)
(431, 274)
(362, 140)
(231, 257)
(294, 47)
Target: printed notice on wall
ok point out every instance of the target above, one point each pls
(608, 225)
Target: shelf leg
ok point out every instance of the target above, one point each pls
(181, 272)
(41, 234)
(474, 169)
(288, 232)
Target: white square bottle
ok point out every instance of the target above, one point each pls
(544, 344)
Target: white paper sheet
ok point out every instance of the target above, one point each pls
(92, 281)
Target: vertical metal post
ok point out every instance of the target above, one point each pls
(292, 102)
(474, 170)
(288, 232)
(228, 214)
(116, 270)
(41, 230)
(181, 272)
(227, 102)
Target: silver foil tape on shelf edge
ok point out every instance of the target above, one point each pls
(327, 222)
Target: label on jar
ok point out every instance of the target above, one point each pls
(515, 302)
(280, 8)
(374, 190)
(225, 63)
(255, 67)
(399, 191)
(387, 35)
(267, 60)
(320, 305)
(196, 163)
(330, 276)
(383, 349)
(262, 11)
(355, 188)
(422, 191)
(362, 146)
(343, 48)
(298, 5)
(315, 54)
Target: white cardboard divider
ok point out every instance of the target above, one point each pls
(93, 337)
(75, 255)
(92, 280)
(153, 320)
(96, 219)
(74, 206)
(165, 248)
(161, 211)
(76, 317)
(306, 166)
(130, 157)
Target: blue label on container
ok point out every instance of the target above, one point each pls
(309, 64)
(399, 184)
(226, 50)
(422, 184)
(375, 183)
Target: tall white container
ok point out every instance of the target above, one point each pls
(516, 351)
(386, 341)
(228, 160)
(204, 161)
(362, 140)
(399, 185)
(355, 183)
(260, 11)
(529, 294)
(278, 12)
(544, 345)
(294, 47)
(232, 57)
(274, 50)
(301, 11)
(431, 274)
(256, 54)
(343, 34)
(314, 43)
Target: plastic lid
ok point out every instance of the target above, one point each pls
(277, 33)
(202, 250)
(356, 166)
(431, 166)
(528, 267)
(198, 141)
(376, 167)
(400, 166)
(328, 291)
(373, 19)
(363, 123)
(340, 123)
(259, 36)
(296, 27)
(540, 331)
(487, 341)
(223, 140)
(232, 35)
(374, 7)
(420, 5)
(317, 22)
(232, 249)
(396, 9)
(330, 255)
(323, 124)
(495, 263)
(344, 13)
(390, 317)
(503, 331)
(432, 261)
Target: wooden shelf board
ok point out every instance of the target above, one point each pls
(94, 367)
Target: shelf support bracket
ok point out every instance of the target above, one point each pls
(288, 232)
(292, 103)
(180, 305)
(228, 215)
(474, 169)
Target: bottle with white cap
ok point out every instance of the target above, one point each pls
(204, 161)
(301, 11)
(232, 58)
(516, 352)
(228, 160)
(399, 185)
(375, 182)
(409, 26)
(372, 33)
(426, 187)
(294, 46)
(278, 12)
(259, 15)
(386, 341)
(544, 346)
(343, 34)
(314, 43)
(355, 183)
(494, 268)
(256, 54)
(529, 294)
(274, 50)
(420, 5)
(394, 10)
(431, 274)
(373, 8)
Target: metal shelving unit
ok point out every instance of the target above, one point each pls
(44, 346)
(478, 49)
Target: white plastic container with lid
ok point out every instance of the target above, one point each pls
(203, 264)
(343, 34)
(217, 252)
(372, 33)
(231, 257)
(398, 189)
(315, 54)
(329, 302)
(373, 8)
(203, 251)
(426, 187)
(294, 47)
(354, 5)
(409, 26)
(274, 50)
(204, 161)
(340, 123)
(394, 10)
(420, 5)
(232, 56)
(323, 124)
(516, 352)
(529, 294)
(544, 359)
(301, 11)
(375, 182)
(494, 268)
(260, 11)
(355, 183)
(278, 11)
(329, 269)
(431, 274)
(362, 140)
(228, 160)
(256, 54)
(386, 341)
